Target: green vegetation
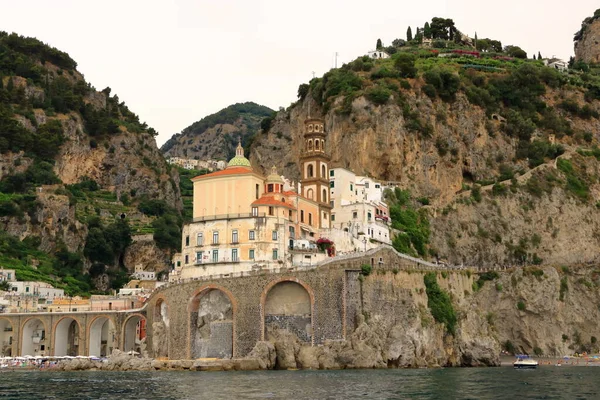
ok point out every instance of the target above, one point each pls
(439, 303)
(564, 288)
(412, 222)
(186, 188)
(576, 182)
(366, 269)
(521, 305)
(483, 277)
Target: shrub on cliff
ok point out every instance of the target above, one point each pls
(439, 303)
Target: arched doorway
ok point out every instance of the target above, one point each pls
(102, 340)
(288, 306)
(33, 338)
(211, 325)
(160, 329)
(134, 334)
(6, 338)
(66, 337)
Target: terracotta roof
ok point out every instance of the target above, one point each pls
(289, 193)
(225, 172)
(270, 201)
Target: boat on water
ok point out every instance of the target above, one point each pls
(525, 362)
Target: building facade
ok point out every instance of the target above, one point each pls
(244, 221)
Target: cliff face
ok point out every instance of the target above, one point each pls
(216, 136)
(587, 43)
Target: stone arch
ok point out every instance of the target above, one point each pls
(310, 145)
(288, 303)
(133, 333)
(317, 145)
(66, 337)
(33, 337)
(323, 171)
(211, 323)
(310, 127)
(102, 337)
(6, 338)
(160, 328)
(324, 198)
(309, 171)
(310, 194)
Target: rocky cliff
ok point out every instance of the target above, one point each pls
(73, 160)
(214, 137)
(495, 126)
(587, 40)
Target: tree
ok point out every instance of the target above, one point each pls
(534, 56)
(419, 36)
(409, 35)
(475, 39)
(379, 44)
(427, 31)
(398, 43)
(515, 51)
(539, 55)
(405, 64)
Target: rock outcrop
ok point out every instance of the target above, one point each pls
(587, 41)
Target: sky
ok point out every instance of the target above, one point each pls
(175, 61)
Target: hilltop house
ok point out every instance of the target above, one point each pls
(377, 54)
(556, 63)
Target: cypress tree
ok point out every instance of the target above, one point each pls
(409, 35)
(427, 30)
(534, 56)
(379, 44)
(539, 56)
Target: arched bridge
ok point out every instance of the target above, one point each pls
(218, 317)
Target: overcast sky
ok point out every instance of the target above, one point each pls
(174, 62)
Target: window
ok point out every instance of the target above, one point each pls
(270, 188)
(274, 235)
(310, 194)
(332, 217)
(199, 239)
(234, 255)
(187, 240)
(270, 210)
(331, 172)
(290, 214)
(275, 254)
(216, 237)
(323, 171)
(324, 199)
(377, 186)
(325, 216)
(251, 235)
(332, 184)
(310, 219)
(199, 257)
(234, 236)
(310, 172)
(187, 260)
(351, 187)
(301, 215)
(354, 214)
(251, 254)
(257, 190)
(215, 256)
(366, 185)
(255, 211)
(27, 288)
(369, 215)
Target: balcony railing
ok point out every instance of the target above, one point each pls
(228, 216)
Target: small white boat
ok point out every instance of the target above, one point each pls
(525, 362)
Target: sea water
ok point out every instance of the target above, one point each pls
(547, 382)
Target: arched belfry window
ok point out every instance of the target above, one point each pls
(324, 199)
(317, 144)
(310, 145)
(310, 171)
(310, 194)
(310, 127)
(323, 172)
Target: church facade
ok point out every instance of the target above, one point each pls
(244, 221)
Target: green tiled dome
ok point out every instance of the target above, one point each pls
(239, 161)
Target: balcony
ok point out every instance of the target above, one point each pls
(228, 216)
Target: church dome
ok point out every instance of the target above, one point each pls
(274, 177)
(239, 160)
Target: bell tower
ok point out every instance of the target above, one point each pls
(315, 163)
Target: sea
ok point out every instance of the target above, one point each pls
(547, 382)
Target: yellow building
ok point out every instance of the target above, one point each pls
(243, 221)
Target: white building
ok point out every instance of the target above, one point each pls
(556, 63)
(142, 275)
(7, 275)
(39, 289)
(377, 54)
(358, 206)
